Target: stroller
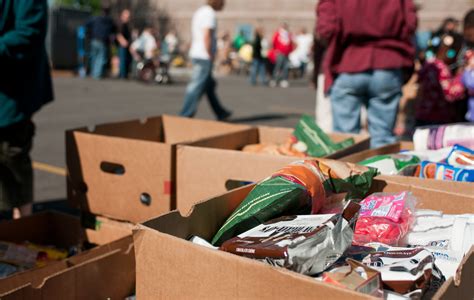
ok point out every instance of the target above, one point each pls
(154, 70)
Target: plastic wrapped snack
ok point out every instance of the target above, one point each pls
(461, 157)
(385, 218)
(306, 244)
(299, 188)
(405, 270)
(437, 137)
(448, 237)
(442, 171)
(392, 164)
(18, 255)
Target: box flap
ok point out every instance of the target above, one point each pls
(388, 149)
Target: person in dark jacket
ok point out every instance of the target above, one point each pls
(101, 30)
(258, 58)
(369, 46)
(25, 86)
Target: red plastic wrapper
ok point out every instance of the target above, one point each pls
(385, 218)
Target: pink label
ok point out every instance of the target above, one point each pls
(385, 206)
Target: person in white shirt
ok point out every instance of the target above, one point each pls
(202, 52)
(299, 58)
(145, 47)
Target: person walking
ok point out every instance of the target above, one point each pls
(369, 49)
(124, 38)
(25, 86)
(202, 53)
(102, 29)
(282, 47)
(259, 49)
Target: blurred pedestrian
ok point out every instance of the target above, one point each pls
(441, 92)
(124, 38)
(282, 47)
(369, 56)
(202, 52)
(25, 86)
(145, 47)
(449, 26)
(259, 54)
(239, 40)
(467, 54)
(172, 43)
(299, 58)
(102, 30)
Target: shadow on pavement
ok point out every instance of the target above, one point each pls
(263, 117)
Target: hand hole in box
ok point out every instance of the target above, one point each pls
(112, 168)
(145, 199)
(232, 184)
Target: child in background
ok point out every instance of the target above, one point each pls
(441, 92)
(468, 81)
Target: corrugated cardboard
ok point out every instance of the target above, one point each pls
(106, 230)
(447, 186)
(207, 168)
(194, 271)
(129, 162)
(106, 272)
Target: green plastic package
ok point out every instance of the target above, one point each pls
(318, 143)
(393, 164)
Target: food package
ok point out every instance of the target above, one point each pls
(7, 270)
(47, 254)
(357, 277)
(437, 137)
(439, 155)
(448, 237)
(443, 171)
(18, 255)
(393, 164)
(405, 270)
(306, 244)
(461, 157)
(297, 189)
(385, 218)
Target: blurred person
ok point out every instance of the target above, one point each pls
(441, 92)
(467, 54)
(172, 42)
(300, 56)
(145, 46)
(239, 41)
(102, 30)
(282, 46)
(124, 38)
(25, 86)
(259, 54)
(369, 56)
(468, 36)
(224, 50)
(202, 52)
(449, 26)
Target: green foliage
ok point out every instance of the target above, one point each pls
(93, 5)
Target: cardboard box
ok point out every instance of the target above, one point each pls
(194, 271)
(448, 186)
(131, 164)
(111, 266)
(213, 166)
(106, 272)
(100, 230)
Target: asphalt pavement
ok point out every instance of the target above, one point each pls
(86, 102)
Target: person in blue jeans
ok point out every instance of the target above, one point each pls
(259, 66)
(101, 29)
(379, 90)
(202, 52)
(124, 37)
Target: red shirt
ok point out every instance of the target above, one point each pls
(438, 91)
(282, 42)
(366, 35)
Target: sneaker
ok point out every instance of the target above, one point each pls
(272, 83)
(284, 84)
(225, 116)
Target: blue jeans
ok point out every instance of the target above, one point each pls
(380, 91)
(202, 82)
(258, 68)
(125, 58)
(281, 68)
(98, 58)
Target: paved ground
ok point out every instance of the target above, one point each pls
(82, 102)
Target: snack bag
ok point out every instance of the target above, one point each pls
(392, 164)
(17, 255)
(442, 171)
(313, 139)
(299, 188)
(305, 244)
(385, 218)
(461, 157)
(437, 137)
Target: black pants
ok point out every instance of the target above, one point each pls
(16, 172)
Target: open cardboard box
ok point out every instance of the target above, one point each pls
(193, 271)
(104, 271)
(448, 186)
(132, 164)
(215, 165)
